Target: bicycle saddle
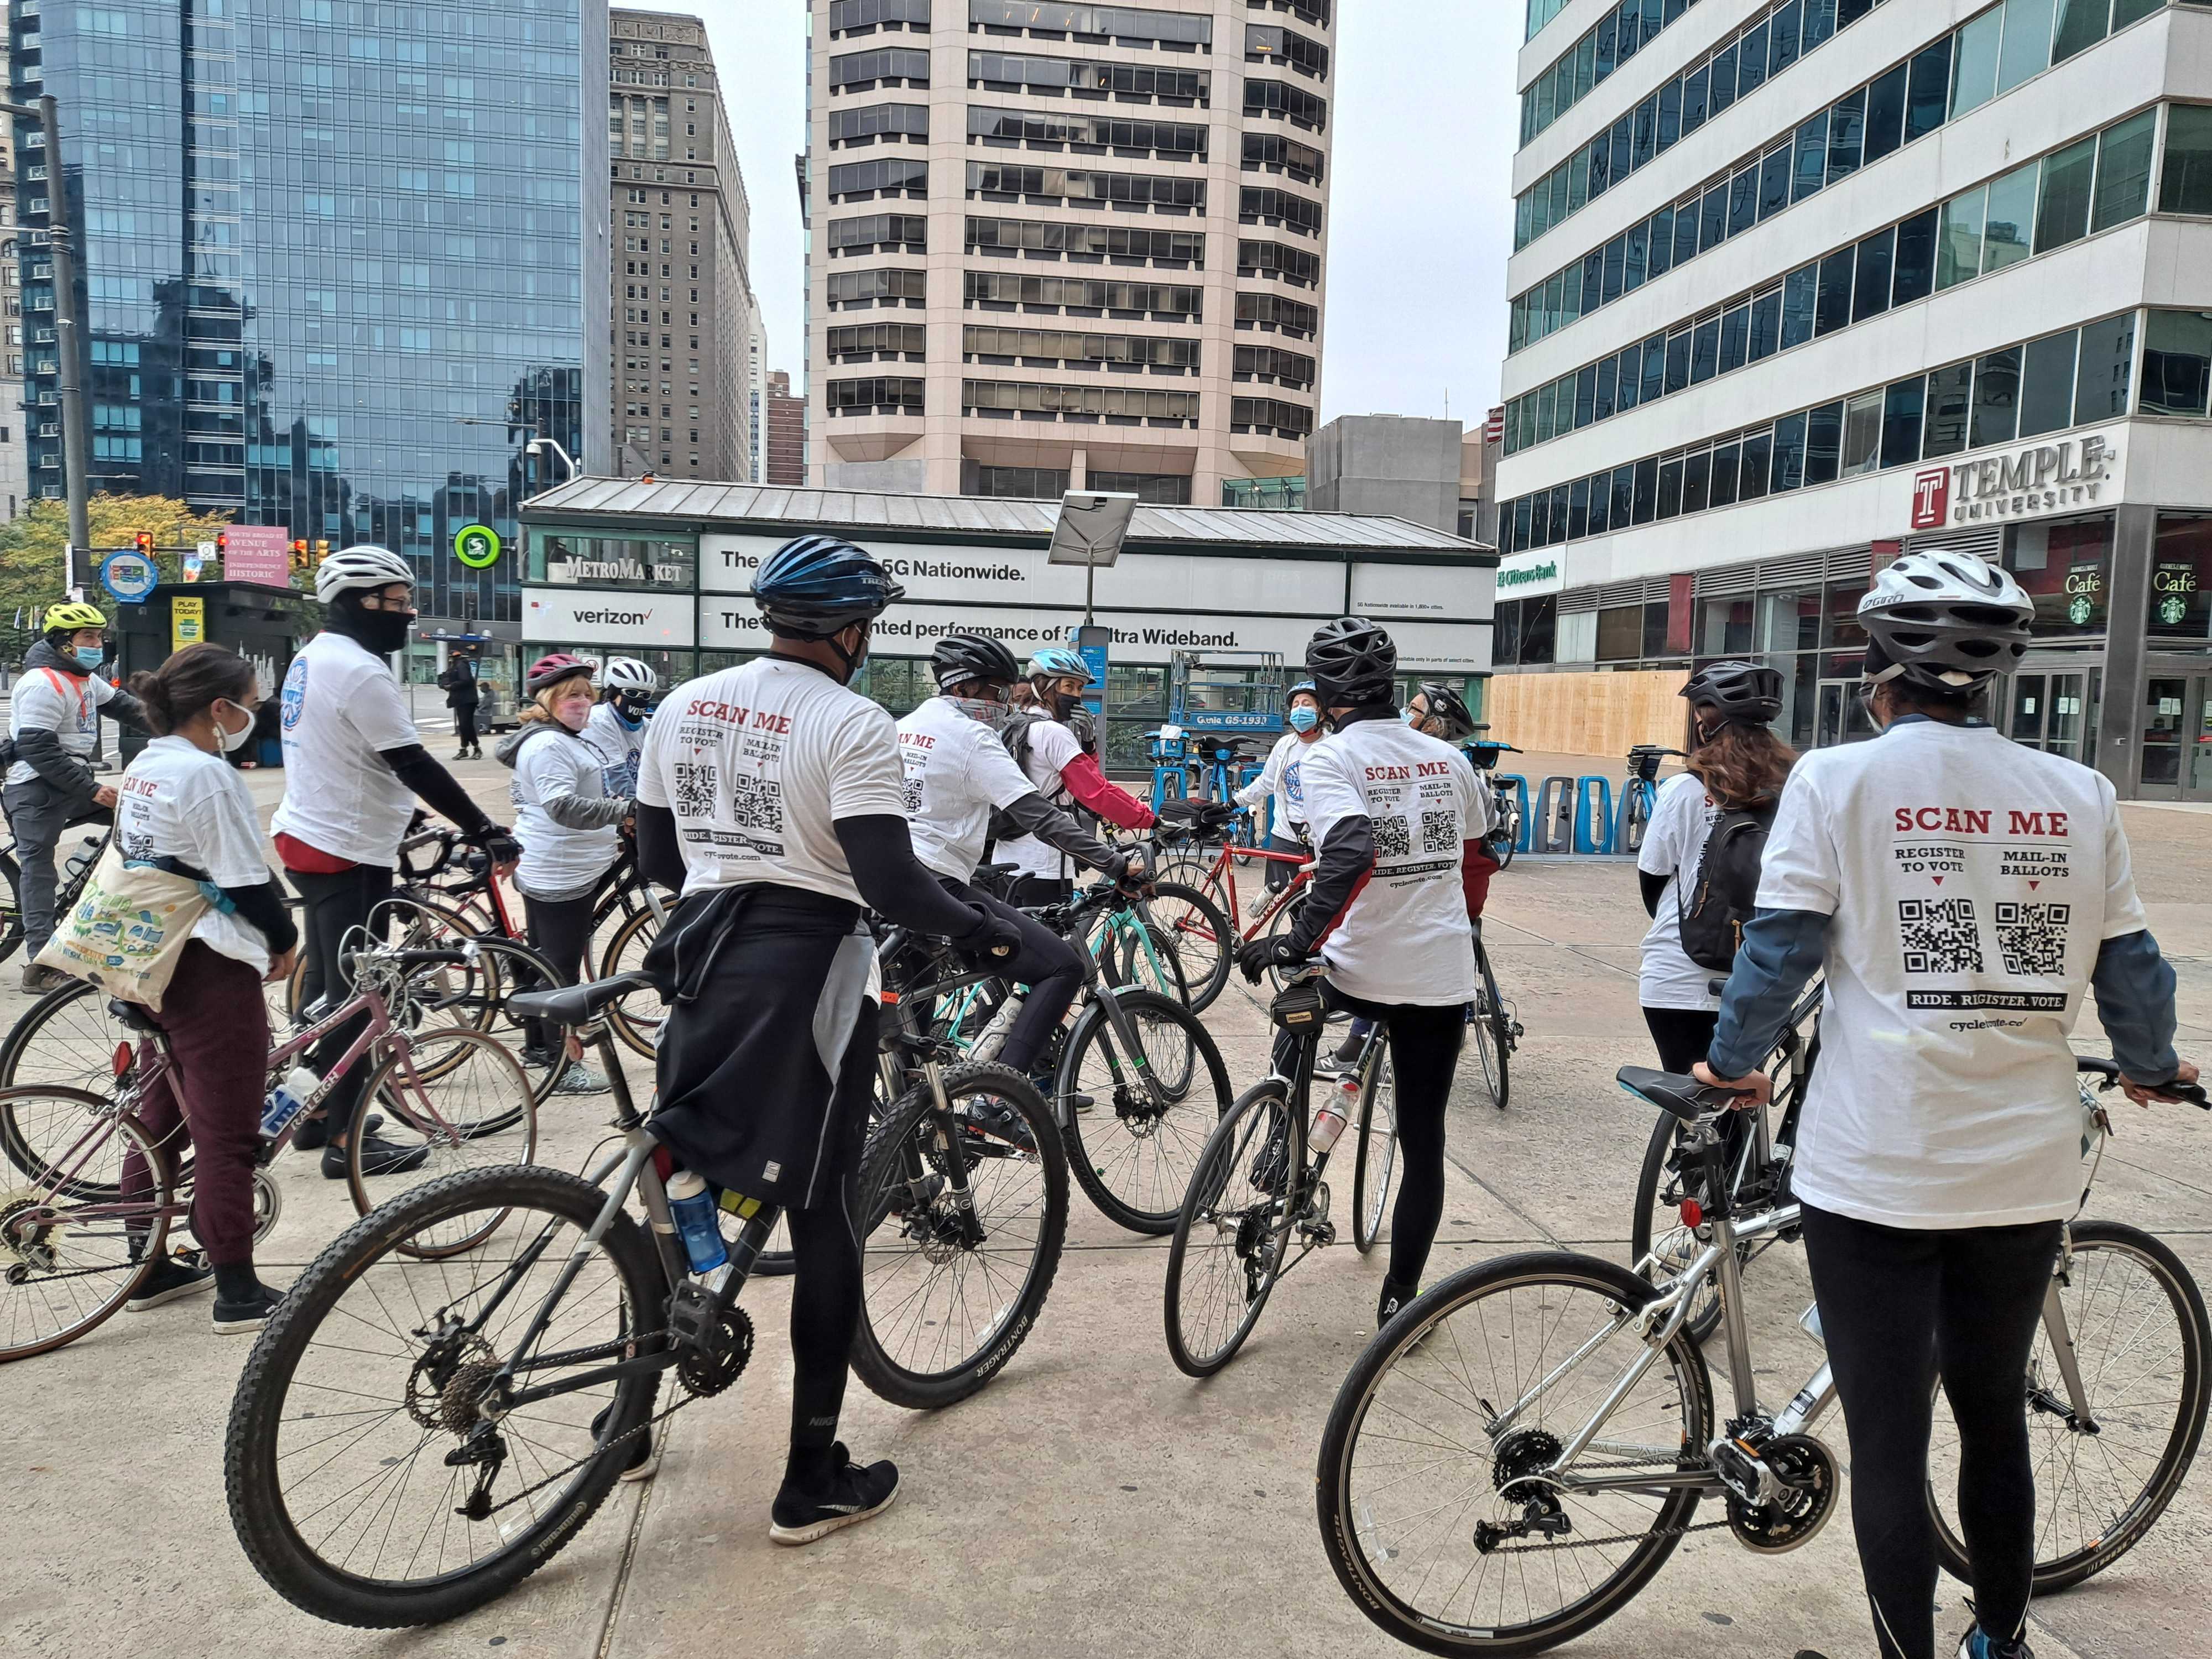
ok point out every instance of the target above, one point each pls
(1677, 1096)
(131, 1015)
(574, 1005)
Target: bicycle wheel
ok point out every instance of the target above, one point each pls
(1151, 1110)
(635, 1016)
(960, 1231)
(11, 906)
(371, 1374)
(1430, 1492)
(1146, 962)
(463, 1099)
(497, 970)
(449, 995)
(1377, 1161)
(1507, 840)
(70, 1252)
(2140, 1337)
(1491, 1028)
(1203, 940)
(1232, 1229)
(67, 1037)
(1655, 1221)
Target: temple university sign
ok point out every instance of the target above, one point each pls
(2041, 478)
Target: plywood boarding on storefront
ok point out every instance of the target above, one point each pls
(1590, 713)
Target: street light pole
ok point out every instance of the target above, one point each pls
(69, 327)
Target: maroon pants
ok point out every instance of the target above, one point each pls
(217, 1026)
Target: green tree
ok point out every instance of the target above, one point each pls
(31, 552)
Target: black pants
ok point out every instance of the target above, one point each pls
(1035, 892)
(1424, 1044)
(1899, 1307)
(1682, 1036)
(559, 930)
(40, 815)
(336, 902)
(465, 725)
(1045, 963)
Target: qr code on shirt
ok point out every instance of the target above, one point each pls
(1439, 832)
(757, 803)
(1394, 838)
(1939, 936)
(910, 796)
(2032, 937)
(695, 790)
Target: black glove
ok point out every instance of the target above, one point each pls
(499, 846)
(991, 943)
(1129, 872)
(1179, 812)
(1257, 956)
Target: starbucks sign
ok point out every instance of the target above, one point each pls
(2173, 586)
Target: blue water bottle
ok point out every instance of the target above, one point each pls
(693, 1208)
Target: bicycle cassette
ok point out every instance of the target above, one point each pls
(718, 1357)
(1806, 1471)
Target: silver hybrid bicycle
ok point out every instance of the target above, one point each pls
(1522, 1448)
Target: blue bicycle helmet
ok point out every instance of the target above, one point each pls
(813, 586)
(1054, 661)
(1302, 688)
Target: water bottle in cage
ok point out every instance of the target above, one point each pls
(994, 1036)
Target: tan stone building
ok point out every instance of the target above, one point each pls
(1065, 245)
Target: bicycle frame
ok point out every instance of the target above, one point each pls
(1222, 870)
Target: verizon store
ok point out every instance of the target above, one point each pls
(660, 572)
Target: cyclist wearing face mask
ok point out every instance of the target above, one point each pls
(770, 794)
(958, 773)
(1280, 779)
(1054, 744)
(568, 824)
(617, 730)
(54, 719)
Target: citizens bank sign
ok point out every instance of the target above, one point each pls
(2053, 477)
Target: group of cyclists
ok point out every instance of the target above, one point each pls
(1958, 893)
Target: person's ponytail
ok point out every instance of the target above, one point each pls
(191, 682)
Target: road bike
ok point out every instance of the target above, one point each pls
(1490, 1022)
(1505, 838)
(1521, 1447)
(95, 1194)
(1259, 1183)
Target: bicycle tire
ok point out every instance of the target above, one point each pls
(1236, 1158)
(1420, 1332)
(1125, 962)
(638, 1030)
(20, 1339)
(259, 1511)
(1493, 1032)
(2113, 1533)
(436, 927)
(899, 1160)
(1377, 1162)
(448, 1136)
(1123, 1112)
(1205, 938)
(524, 970)
(11, 896)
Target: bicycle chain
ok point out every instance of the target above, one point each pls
(1618, 1538)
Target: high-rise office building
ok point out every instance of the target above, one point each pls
(340, 261)
(1800, 286)
(15, 453)
(784, 418)
(1057, 245)
(681, 307)
(756, 395)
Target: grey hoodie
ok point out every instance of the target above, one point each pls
(570, 811)
(40, 748)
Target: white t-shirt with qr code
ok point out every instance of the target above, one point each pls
(957, 770)
(1405, 937)
(757, 763)
(1969, 881)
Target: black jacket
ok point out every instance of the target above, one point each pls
(460, 683)
(41, 746)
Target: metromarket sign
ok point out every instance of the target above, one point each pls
(2055, 477)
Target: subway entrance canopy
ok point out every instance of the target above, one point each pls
(642, 566)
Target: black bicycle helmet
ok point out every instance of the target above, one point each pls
(1944, 622)
(1446, 704)
(960, 657)
(1353, 663)
(814, 586)
(1747, 691)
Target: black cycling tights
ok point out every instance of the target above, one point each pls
(825, 1311)
(1897, 1306)
(1044, 962)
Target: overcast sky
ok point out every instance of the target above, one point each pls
(1421, 216)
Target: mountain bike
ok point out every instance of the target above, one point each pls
(1521, 1447)
(96, 1193)
(1258, 1184)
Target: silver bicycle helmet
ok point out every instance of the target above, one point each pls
(1943, 623)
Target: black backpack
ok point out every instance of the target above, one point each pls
(1721, 900)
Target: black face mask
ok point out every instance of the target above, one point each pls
(380, 631)
(1061, 705)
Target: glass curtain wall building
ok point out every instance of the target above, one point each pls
(317, 240)
(1761, 345)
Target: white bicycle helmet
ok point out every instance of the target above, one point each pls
(629, 674)
(362, 567)
(1944, 622)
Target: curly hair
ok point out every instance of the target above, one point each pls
(1741, 765)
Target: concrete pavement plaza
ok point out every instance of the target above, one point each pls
(1092, 1500)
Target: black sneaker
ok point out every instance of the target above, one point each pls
(989, 1115)
(173, 1277)
(853, 1494)
(315, 1132)
(644, 1454)
(379, 1157)
(237, 1318)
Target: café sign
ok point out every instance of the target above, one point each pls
(2039, 478)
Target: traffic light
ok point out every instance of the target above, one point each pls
(322, 551)
(222, 542)
(298, 555)
(144, 542)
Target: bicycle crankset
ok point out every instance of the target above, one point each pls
(1804, 1482)
(717, 1356)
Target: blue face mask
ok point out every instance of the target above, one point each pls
(91, 655)
(1303, 719)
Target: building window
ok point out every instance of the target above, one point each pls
(868, 287)
(864, 179)
(1129, 25)
(1128, 404)
(865, 68)
(1151, 488)
(1027, 484)
(877, 396)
